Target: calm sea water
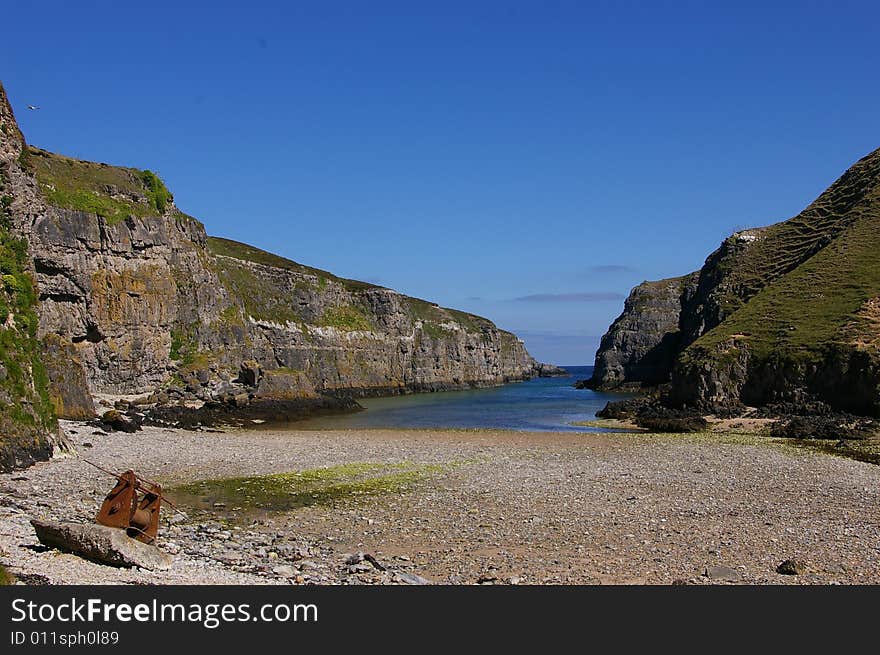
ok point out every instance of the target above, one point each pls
(542, 404)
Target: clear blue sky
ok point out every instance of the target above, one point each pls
(527, 161)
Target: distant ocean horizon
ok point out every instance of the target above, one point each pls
(537, 405)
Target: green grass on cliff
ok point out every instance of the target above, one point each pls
(783, 247)
(346, 317)
(244, 252)
(263, 302)
(822, 301)
(113, 192)
(25, 405)
(814, 305)
(433, 317)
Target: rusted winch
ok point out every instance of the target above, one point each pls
(132, 505)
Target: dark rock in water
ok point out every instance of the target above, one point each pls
(551, 371)
(99, 543)
(116, 420)
(647, 412)
(266, 411)
(792, 567)
(624, 409)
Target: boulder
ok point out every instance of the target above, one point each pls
(551, 371)
(68, 388)
(119, 421)
(722, 573)
(792, 567)
(410, 578)
(101, 544)
(250, 373)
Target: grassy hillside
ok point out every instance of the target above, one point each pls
(802, 307)
(113, 192)
(778, 249)
(811, 275)
(826, 300)
(244, 252)
(263, 302)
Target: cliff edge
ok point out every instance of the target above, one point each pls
(777, 315)
(116, 291)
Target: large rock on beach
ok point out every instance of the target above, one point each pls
(101, 544)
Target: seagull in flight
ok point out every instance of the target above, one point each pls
(33, 107)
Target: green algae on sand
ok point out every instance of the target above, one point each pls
(319, 486)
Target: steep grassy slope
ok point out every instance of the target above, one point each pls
(26, 415)
(245, 252)
(798, 310)
(786, 313)
(263, 303)
(749, 261)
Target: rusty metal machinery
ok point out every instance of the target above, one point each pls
(132, 505)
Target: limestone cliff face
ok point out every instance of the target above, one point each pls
(113, 293)
(28, 429)
(134, 297)
(150, 300)
(640, 346)
(781, 314)
(335, 335)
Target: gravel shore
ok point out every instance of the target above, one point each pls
(488, 507)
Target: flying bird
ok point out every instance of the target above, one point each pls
(33, 107)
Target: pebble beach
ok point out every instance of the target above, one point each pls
(463, 507)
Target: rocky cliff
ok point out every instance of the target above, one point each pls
(134, 297)
(28, 429)
(782, 314)
(640, 346)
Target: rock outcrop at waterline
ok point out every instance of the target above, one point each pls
(786, 314)
(640, 346)
(128, 295)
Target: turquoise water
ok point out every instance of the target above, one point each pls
(542, 404)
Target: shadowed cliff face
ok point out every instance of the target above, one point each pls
(641, 345)
(135, 297)
(782, 314)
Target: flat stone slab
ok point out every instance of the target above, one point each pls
(723, 573)
(100, 544)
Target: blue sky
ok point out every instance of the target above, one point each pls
(527, 161)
